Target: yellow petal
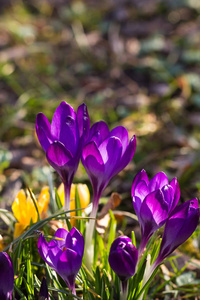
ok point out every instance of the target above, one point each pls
(84, 195)
(1, 243)
(61, 193)
(24, 209)
(19, 229)
(21, 197)
(43, 200)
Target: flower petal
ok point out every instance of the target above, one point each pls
(111, 156)
(43, 130)
(61, 233)
(158, 181)
(168, 194)
(122, 134)
(128, 154)
(69, 135)
(68, 266)
(99, 132)
(6, 276)
(63, 113)
(179, 227)
(43, 249)
(91, 150)
(175, 185)
(77, 241)
(83, 121)
(153, 213)
(58, 155)
(141, 176)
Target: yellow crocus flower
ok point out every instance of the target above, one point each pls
(84, 196)
(24, 209)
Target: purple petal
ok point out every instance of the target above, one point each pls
(122, 134)
(62, 234)
(43, 130)
(68, 266)
(141, 190)
(54, 252)
(99, 132)
(69, 135)
(168, 194)
(83, 122)
(128, 155)
(43, 248)
(141, 176)
(64, 113)
(58, 155)
(179, 227)
(175, 185)
(137, 202)
(6, 276)
(158, 181)
(111, 155)
(77, 241)
(91, 150)
(153, 212)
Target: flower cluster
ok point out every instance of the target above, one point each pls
(104, 153)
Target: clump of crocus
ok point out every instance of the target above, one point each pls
(105, 155)
(123, 259)
(25, 211)
(6, 277)
(64, 254)
(63, 140)
(153, 201)
(84, 197)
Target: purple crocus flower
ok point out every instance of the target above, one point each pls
(64, 254)
(123, 257)
(153, 201)
(178, 228)
(63, 140)
(6, 277)
(105, 155)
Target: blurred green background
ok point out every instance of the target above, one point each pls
(134, 63)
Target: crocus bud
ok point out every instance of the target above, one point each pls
(64, 254)
(178, 228)
(6, 277)
(123, 257)
(63, 140)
